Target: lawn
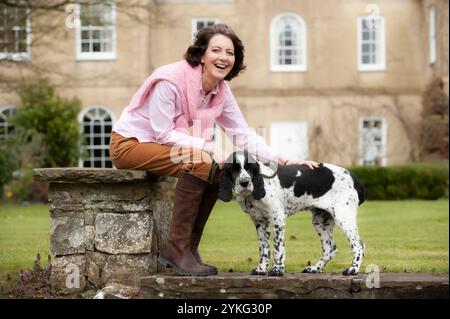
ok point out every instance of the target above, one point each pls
(400, 236)
(24, 232)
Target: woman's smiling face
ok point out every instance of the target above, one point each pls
(218, 59)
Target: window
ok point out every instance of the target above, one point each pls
(200, 23)
(291, 137)
(371, 44)
(288, 43)
(14, 33)
(432, 34)
(96, 35)
(6, 129)
(96, 125)
(372, 141)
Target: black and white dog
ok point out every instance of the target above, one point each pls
(332, 193)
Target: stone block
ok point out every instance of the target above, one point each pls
(95, 262)
(123, 233)
(78, 193)
(127, 269)
(92, 175)
(89, 237)
(67, 235)
(89, 217)
(118, 207)
(64, 209)
(161, 215)
(68, 273)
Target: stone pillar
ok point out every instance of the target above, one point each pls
(107, 225)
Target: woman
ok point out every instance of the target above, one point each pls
(167, 129)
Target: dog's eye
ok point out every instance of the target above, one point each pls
(236, 167)
(251, 168)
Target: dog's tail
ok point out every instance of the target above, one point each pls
(359, 188)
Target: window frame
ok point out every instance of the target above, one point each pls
(432, 35)
(383, 121)
(86, 147)
(21, 56)
(381, 66)
(303, 44)
(3, 108)
(97, 56)
(201, 19)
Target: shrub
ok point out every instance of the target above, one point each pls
(426, 181)
(54, 119)
(23, 188)
(46, 134)
(434, 130)
(7, 166)
(27, 149)
(32, 283)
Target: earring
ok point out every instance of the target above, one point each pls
(202, 62)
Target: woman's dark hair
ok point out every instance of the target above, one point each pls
(195, 52)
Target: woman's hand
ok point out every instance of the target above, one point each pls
(310, 164)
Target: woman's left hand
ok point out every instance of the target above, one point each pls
(310, 164)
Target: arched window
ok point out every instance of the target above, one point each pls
(96, 125)
(6, 129)
(288, 43)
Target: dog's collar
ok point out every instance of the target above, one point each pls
(275, 169)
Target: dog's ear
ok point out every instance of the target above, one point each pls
(258, 183)
(225, 183)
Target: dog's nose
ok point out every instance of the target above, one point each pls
(244, 184)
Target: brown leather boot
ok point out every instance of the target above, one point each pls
(210, 196)
(176, 253)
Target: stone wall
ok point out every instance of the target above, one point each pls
(107, 225)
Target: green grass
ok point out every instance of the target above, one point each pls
(400, 236)
(24, 232)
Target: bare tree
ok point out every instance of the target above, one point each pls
(38, 24)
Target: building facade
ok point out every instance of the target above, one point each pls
(341, 82)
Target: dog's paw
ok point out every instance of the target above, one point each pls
(311, 270)
(350, 271)
(256, 272)
(275, 272)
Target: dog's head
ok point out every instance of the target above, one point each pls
(241, 175)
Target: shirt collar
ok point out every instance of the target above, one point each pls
(213, 91)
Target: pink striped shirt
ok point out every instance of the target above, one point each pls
(154, 122)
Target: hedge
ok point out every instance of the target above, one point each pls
(422, 181)
(7, 166)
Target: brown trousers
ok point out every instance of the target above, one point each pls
(129, 153)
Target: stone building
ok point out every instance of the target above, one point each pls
(337, 81)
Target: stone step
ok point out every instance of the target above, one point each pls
(296, 286)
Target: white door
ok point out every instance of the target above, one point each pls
(290, 139)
